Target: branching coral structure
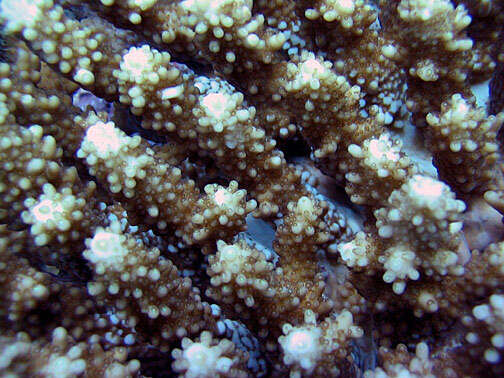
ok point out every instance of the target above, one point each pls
(239, 188)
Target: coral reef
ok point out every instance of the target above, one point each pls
(238, 188)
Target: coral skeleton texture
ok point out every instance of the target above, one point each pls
(239, 188)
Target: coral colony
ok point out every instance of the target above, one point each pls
(239, 188)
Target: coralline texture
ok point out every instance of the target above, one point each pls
(486, 25)
(287, 292)
(23, 286)
(336, 102)
(463, 141)
(130, 167)
(212, 112)
(54, 213)
(62, 357)
(242, 276)
(322, 99)
(85, 56)
(486, 269)
(44, 301)
(207, 357)
(345, 17)
(162, 303)
(346, 32)
(218, 188)
(430, 25)
(382, 81)
(316, 349)
(485, 330)
(417, 231)
(429, 40)
(430, 217)
(381, 164)
(399, 363)
(28, 159)
(223, 31)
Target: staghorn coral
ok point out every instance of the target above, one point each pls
(207, 357)
(446, 135)
(250, 188)
(62, 357)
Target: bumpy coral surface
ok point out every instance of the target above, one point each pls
(240, 188)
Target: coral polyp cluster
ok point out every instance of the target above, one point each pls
(219, 188)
